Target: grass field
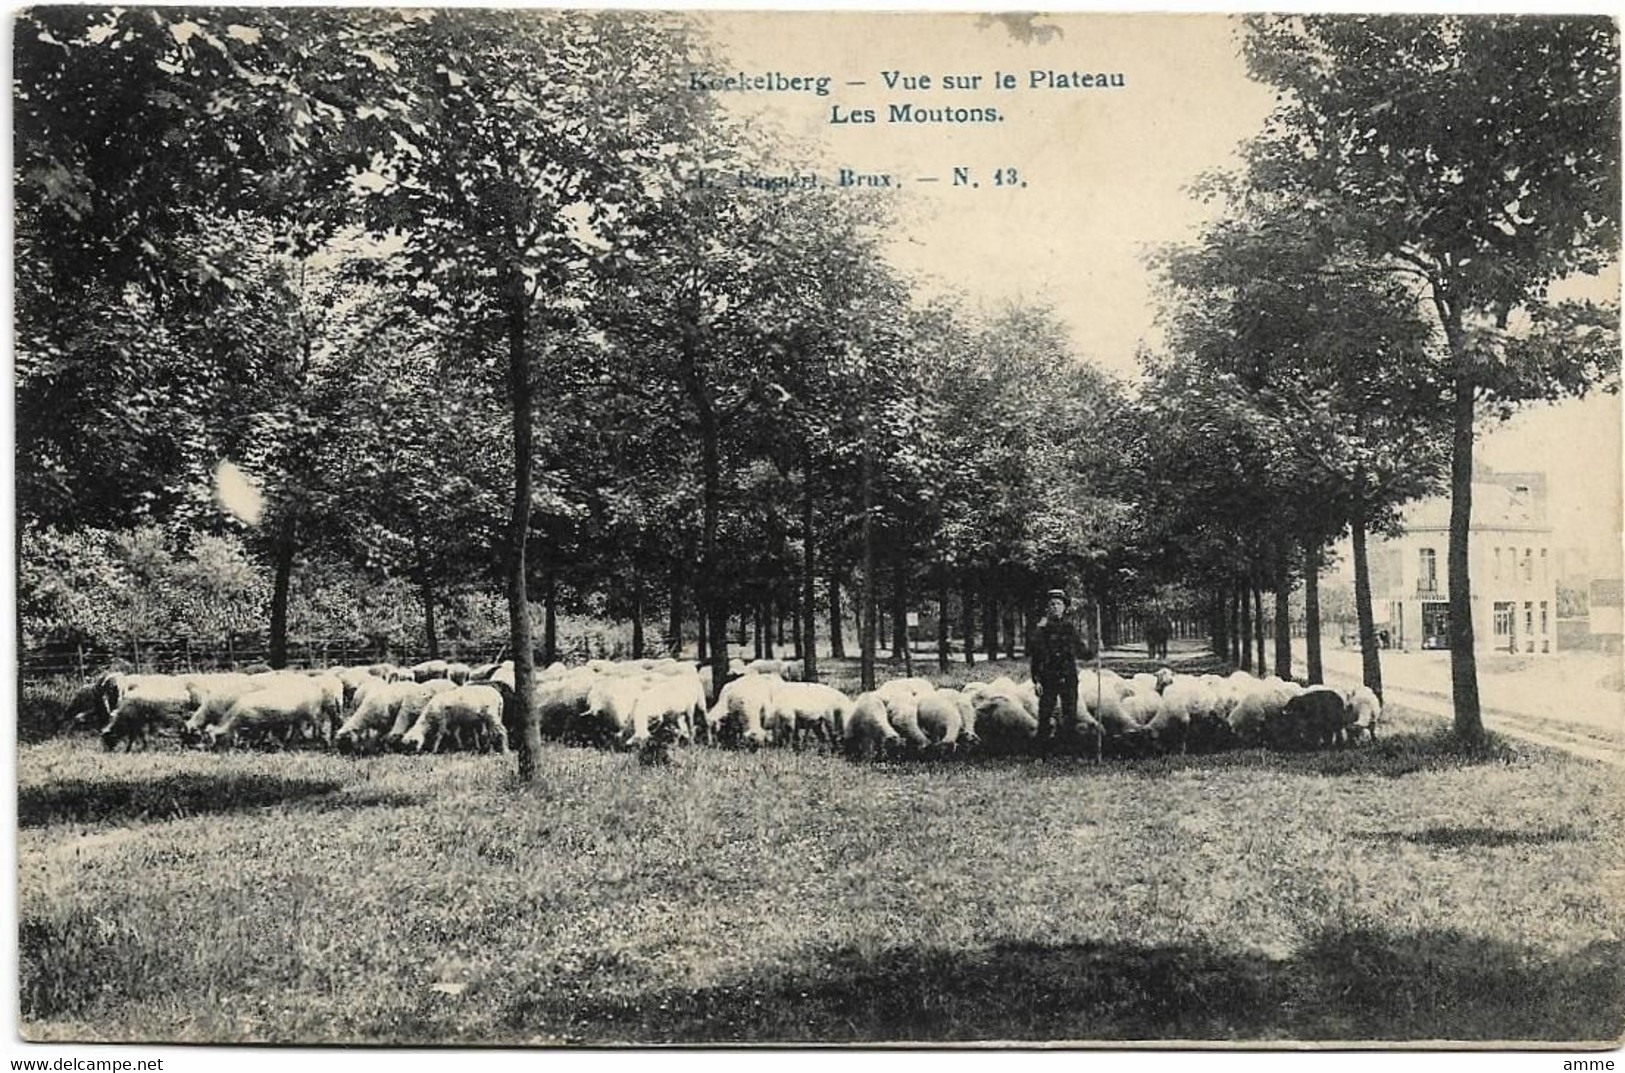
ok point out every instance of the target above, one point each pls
(1398, 891)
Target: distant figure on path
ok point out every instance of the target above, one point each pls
(1158, 629)
(1055, 648)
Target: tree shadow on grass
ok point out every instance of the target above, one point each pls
(1391, 756)
(1341, 985)
(1475, 837)
(176, 796)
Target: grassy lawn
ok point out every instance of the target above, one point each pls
(1397, 891)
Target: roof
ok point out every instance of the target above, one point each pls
(1495, 506)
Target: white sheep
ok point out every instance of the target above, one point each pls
(868, 730)
(450, 712)
(741, 709)
(285, 706)
(809, 709)
(1365, 708)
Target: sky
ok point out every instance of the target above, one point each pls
(1108, 176)
(1107, 171)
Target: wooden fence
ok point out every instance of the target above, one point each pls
(171, 655)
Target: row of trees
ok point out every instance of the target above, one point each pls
(448, 285)
(1376, 288)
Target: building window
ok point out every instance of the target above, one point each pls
(1427, 577)
(1545, 566)
(1529, 626)
(1543, 623)
(1528, 564)
(1497, 564)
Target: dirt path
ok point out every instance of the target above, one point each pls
(1514, 724)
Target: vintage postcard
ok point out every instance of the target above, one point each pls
(604, 528)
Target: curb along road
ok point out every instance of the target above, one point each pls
(1515, 724)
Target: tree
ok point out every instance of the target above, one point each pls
(1323, 350)
(525, 139)
(1477, 158)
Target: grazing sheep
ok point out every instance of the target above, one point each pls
(429, 668)
(1142, 707)
(740, 713)
(374, 714)
(1170, 727)
(457, 673)
(1253, 711)
(1125, 734)
(1365, 713)
(868, 730)
(941, 718)
(1022, 693)
(145, 701)
(412, 701)
(1100, 698)
(1088, 735)
(786, 669)
(808, 709)
(920, 687)
(561, 705)
(284, 706)
(1003, 723)
(666, 699)
(353, 678)
(903, 709)
(476, 708)
(609, 708)
(1313, 718)
(212, 697)
(1144, 683)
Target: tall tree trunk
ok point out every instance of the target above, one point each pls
(637, 614)
(709, 588)
(1370, 661)
(795, 631)
(1009, 630)
(550, 616)
(990, 619)
(529, 744)
(1236, 631)
(1283, 617)
(430, 634)
(281, 582)
(777, 604)
(899, 603)
(1311, 611)
(807, 642)
(1258, 624)
(702, 649)
(756, 617)
(1221, 623)
(771, 620)
(674, 621)
(1463, 659)
(942, 620)
(866, 599)
(837, 644)
(1246, 638)
(967, 617)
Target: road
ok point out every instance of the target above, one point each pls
(1558, 700)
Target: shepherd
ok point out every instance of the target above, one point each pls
(1055, 648)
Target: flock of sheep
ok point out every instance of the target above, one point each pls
(649, 705)
(1144, 714)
